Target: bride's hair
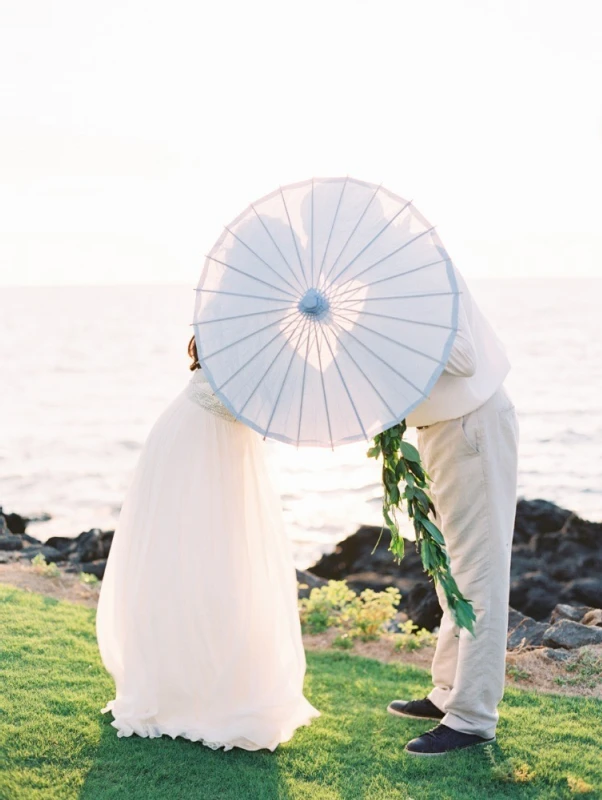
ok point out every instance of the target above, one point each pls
(192, 352)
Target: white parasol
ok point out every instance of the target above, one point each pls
(325, 312)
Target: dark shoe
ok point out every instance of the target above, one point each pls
(419, 709)
(442, 740)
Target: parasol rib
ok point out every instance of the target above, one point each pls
(249, 335)
(384, 258)
(400, 297)
(371, 242)
(266, 229)
(311, 233)
(371, 384)
(403, 319)
(294, 238)
(357, 224)
(389, 339)
(242, 316)
(288, 369)
(250, 275)
(336, 294)
(254, 356)
(303, 389)
(334, 220)
(344, 382)
(263, 261)
(323, 386)
(270, 365)
(241, 294)
(386, 363)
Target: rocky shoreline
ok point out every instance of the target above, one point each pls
(556, 573)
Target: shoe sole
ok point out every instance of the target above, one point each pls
(409, 716)
(447, 752)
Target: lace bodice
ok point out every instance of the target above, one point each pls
(199, 391)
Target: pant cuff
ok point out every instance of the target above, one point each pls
(439, 698)
(467, 726)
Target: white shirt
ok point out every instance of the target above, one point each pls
(476, 368)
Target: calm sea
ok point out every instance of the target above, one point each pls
(84, 372)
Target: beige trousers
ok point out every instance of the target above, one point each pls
(472, 462)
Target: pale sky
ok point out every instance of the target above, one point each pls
(132, 130)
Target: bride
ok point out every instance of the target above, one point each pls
(197, 619)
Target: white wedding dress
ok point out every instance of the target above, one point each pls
(197, 619)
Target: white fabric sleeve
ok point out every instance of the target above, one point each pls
(462, 361)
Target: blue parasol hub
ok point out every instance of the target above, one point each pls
(314, 304)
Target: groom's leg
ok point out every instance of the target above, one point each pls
(445, 662)
(472, 463)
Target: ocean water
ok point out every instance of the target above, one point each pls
(85, 371)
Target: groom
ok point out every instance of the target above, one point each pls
(467, 438)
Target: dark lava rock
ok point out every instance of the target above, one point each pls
(10, 542)
(310, 581)
(514, 617)
(528, 632)
(355, 555)
(569, 634)
(562, 573)
(563, 611)
(95, 567)
(585, 590)
(31, 539)
(15, 522)
(535, 594)
(49, 553)
(353, 560)
(538, 516)
(63, 544)
(358, 581)
(89, 546)
(558, 655)
(422, 606)
(591, 563)
(556, 557)
(106, 540)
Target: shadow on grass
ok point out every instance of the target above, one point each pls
(177, 769)
(59, 747)
(353, 752)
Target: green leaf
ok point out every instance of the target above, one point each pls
(409, 452)
(464, 615)
(401, 471)
(418, 471)
(423, 499)
(390, 523)
(401, 465)
(398, 547)
(389, 476)
(434, 531)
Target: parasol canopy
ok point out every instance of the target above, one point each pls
(325, 312)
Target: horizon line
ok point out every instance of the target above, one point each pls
(192, 287)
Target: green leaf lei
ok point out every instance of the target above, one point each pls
(401, 462)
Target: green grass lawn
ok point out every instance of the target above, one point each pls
(55, 744)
